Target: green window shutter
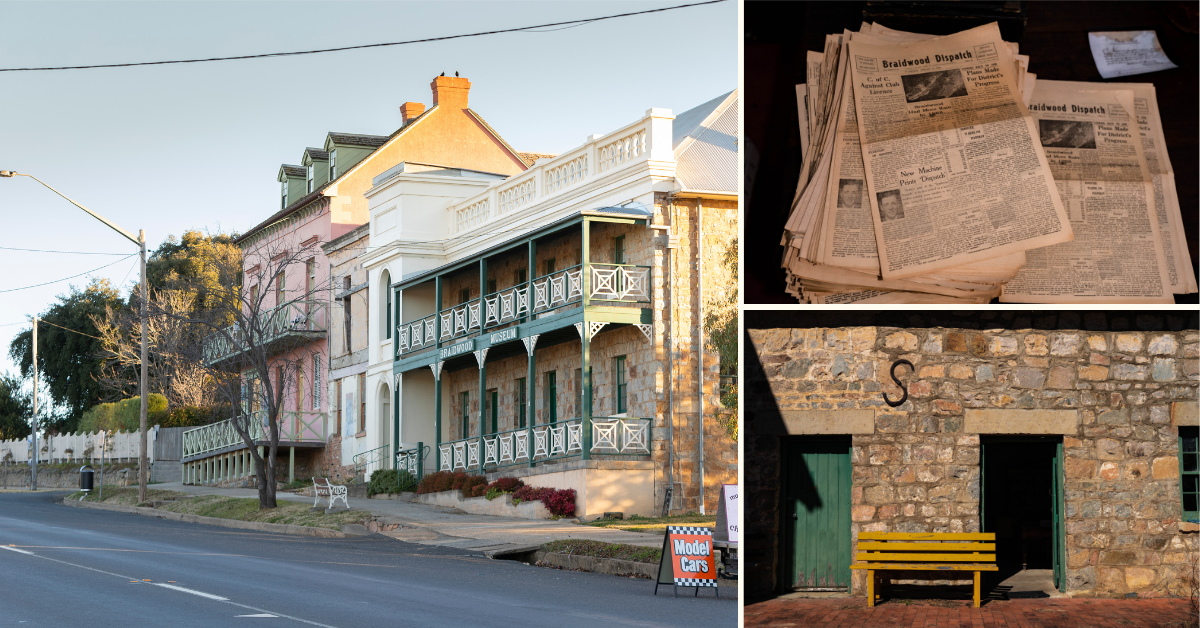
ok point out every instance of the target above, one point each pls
(521, 402)
(550, 266)
(464, 295)
(619, 250)
(619, 370)
(466, 415)
(491, 286)
(1188, 472)
(552, 397)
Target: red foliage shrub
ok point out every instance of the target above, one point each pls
(452, 481)
(505, 485)
(560, 503)
(531, 493)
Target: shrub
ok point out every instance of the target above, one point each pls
(387, 481)
(560, 502)
(502, 486)
(470, 485)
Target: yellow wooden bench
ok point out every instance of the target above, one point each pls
(925, 551)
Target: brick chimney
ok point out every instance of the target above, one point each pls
(450, 91)
(410, 110)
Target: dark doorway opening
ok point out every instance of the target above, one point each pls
(1019, 500)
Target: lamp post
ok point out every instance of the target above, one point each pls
(140, 240)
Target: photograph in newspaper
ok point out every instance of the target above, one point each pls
(1095, 152)
(950, 147)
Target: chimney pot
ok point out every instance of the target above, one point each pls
(450, 91)
(410, 110)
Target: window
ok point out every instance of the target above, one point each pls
(253, 295)
(337, 402)
(551, 397)
(310, 270)
(387, 306)
(550, 266)
(310, 178)
(466, 415)
(299, 389)
(522, 402)
(619, 250)
(520, 276)
(280, 293)
(346, 311)
(491, 286)
(619, 376)
(283, 194)
(492, 411)
(464, 295)
(316, 383)
(1188, 472)
(362, 403)
(333, 164)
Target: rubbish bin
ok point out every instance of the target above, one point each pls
(85, 478)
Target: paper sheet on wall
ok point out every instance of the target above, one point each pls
(1122, 53)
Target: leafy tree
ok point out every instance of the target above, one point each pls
(192, 263)
(721, 321)
(70, 362)
(16, 408)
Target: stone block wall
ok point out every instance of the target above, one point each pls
(919, 469)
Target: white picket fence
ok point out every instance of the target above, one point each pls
(78, 446)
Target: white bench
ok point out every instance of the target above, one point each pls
(322, 488)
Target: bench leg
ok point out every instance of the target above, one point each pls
(976, 589)
(870, 588)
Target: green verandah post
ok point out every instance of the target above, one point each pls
(530, 345)
(585, 347)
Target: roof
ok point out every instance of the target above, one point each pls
(689, 121)
(633, 210)
(281, 214)
(415, 167)
(316, 153)
(373, 141)
(294, 171)
(706, 158)
(530, 158)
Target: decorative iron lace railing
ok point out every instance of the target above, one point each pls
(418, 334)
(293, 427)
(296, 317)
(620, 282)
(545, 442)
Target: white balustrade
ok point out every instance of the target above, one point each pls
(473, 215)
(565, 175)
(623, 150)
(516, 196)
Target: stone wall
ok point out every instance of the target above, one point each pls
(919, 470)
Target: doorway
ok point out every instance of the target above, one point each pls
(1021, 501)
(815, 526)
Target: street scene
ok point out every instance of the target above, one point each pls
(319, 306)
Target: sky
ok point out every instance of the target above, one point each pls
(198, 146)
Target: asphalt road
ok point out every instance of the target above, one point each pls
(62, 566)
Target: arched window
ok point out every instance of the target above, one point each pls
(386, 316)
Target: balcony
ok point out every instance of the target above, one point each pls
(296, 429)
(542, 443)
(610, 284)
(294, 321)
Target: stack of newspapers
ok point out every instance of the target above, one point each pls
(940, 170)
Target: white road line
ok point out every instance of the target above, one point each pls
(258, 615)
(13, 549)
(192, 591)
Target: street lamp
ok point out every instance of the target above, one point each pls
(141, 242)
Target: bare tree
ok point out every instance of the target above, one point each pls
(259, 333)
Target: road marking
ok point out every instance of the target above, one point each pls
(258, 615)
(192, 591)
(13, 549)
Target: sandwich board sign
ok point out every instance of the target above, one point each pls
(687, 560)
(727, 515)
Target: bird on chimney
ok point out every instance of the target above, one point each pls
(456, 73)
(443, 74)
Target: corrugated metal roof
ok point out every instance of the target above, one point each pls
(689, 121)
(710, 161)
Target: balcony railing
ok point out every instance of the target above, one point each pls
(293, 427)
(549, 292)
(296, 318)
(557, 440)
(624, 283)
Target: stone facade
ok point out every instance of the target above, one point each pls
(345, 361)
(919, 469)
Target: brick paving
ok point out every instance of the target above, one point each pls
(1030, 613)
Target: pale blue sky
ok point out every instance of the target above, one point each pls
(168, 148)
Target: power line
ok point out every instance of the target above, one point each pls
(71, 277)
(42, 320)
(340, 49)
(9, 248)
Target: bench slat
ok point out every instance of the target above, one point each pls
(940, 547)
(922, 567)
(943, 558)
(927, 536)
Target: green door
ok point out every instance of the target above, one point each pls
(1058, 538)
(816, 500)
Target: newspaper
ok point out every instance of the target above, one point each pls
(1121, 53)
(950, 153)
(1095, 149)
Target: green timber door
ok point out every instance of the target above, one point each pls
(1058, 542)
(816, 512)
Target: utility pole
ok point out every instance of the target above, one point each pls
(141, 242)
(34, 459)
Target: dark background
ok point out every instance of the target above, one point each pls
(779, 33)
